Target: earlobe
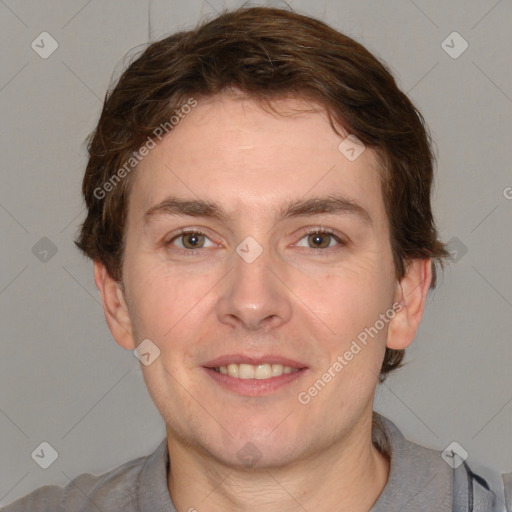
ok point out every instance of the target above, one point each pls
(114, 306)
(411, 294)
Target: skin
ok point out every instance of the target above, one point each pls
(294, 300)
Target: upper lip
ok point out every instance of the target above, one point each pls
(254, 360)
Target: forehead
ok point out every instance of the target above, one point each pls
(234, 152)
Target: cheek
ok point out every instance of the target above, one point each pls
(347, 299)
(164, 300)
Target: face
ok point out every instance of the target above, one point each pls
(256, 308)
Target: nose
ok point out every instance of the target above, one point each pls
(254, 294)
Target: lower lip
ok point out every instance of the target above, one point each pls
(255, 387)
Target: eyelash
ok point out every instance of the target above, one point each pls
(317, 250)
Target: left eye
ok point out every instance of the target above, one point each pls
(320, 239)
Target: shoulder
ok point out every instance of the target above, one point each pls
(117, 489)
(482, 489)
(46, 498)
(418, 478)
(469, 487)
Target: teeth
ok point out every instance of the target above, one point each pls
(250, 371)
(277, 370)
(263, 371)
(245, 371)
(233, 370)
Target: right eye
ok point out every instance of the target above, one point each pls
(190, 239)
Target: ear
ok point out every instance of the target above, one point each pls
(411, 294)
(114, 306)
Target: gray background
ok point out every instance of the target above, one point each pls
(64, 380)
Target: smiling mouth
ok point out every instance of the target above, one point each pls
(259, 371)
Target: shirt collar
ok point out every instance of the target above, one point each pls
(153, 490)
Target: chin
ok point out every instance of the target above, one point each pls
(252, 456)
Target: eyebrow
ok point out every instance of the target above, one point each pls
(332, 204)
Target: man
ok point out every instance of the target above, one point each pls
(258, 194)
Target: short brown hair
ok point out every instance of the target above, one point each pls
(267, 54)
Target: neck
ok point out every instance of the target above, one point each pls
(349, 475)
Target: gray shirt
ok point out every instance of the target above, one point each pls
(419, 480)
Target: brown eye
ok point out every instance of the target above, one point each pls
(192, 240)
(188, 241)
(319, 240)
